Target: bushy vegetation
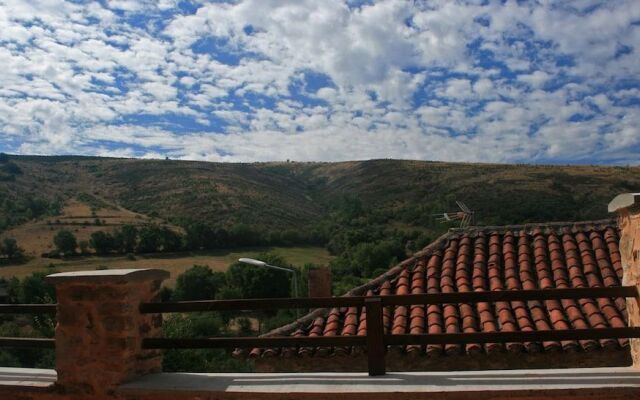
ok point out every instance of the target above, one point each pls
(195, 325)
(199, 283)
(240, 281)
(360, 237)
(30, 290)
(65, 242)
(258, 282)
(15, 211)
(8, 169)
(10, 251)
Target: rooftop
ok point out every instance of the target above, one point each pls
(522, 257)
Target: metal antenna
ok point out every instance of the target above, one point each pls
(465, 215)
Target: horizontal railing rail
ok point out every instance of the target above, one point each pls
(27, 342)
(519, 336)
(250, 342)
(392, 300)
(393, 339)
(27, 309)
(375, 340)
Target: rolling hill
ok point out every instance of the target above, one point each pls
(293, 195)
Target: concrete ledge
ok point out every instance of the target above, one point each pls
(624, 200)
(26, 378)
(571, 383)
(108, 275)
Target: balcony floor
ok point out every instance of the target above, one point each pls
(397, 382)
(575, 383)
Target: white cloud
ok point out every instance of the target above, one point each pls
(448, 80)
(458, 89)
(536, 79)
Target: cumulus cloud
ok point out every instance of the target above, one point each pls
(332, 80)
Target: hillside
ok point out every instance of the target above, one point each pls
(81, 218)
(279, 196)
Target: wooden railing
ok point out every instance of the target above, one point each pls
(376, 340)
(27, 309)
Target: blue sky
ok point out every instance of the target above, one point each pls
(489, 81)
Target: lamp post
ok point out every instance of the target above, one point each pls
(259, 263)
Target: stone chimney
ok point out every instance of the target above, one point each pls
(319, 282)
(627, 206)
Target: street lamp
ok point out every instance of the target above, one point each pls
(259, 263)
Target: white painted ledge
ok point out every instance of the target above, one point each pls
(27, 377)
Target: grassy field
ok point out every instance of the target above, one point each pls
(36, 237)
(175, 263)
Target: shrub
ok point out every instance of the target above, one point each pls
(198, 283)
(65, 242)
(102, 242)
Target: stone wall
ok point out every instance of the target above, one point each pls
(627, 206)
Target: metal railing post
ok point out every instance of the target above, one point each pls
(375, 337)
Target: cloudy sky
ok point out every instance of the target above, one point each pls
(491, 81)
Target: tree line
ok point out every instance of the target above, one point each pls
(363, 240)
(158, 238)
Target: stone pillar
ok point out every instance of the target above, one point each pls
(99, 328)
(319, 282)
(627, 206)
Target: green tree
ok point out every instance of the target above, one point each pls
(199, 236)
(170, 240)
(126, 238)
(9, 247)
(350, 208)
(149, 239)
(198, 283)
(228, 293)
(245, 235)
(363, 259)
(84, 247)
(32, 289)
(35, 290)
(199, 360)
(65, 242)
(102, 242)
(260, 282)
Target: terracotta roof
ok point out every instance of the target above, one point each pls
(536, 256)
